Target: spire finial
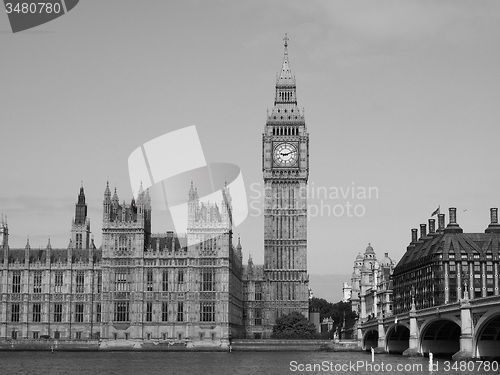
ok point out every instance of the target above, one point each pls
(285, 39)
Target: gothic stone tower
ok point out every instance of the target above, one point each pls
(126, 232)
(285, 158)
(80, 228)
(214, 271)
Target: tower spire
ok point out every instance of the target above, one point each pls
(285, 76)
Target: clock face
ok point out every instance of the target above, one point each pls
(285, 154)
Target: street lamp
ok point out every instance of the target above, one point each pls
(413, 307)
(465, 276)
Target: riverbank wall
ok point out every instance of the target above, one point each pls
(175, 345)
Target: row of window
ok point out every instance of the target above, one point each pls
(285, 291)
(58, 311)
(121, 312)
(207, 312)
(207, 280)
(285, 130)
(58, 282)
(79, 241)
(36, 310)
(57, 335)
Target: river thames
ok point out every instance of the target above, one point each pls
(236, 363)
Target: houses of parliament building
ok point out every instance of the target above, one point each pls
(194, 288)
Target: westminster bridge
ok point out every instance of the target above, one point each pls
(469, 328)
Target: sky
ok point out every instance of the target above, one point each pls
(400, 99)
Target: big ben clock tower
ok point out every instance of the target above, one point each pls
(285, 165)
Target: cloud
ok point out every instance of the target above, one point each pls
(387, 27)
(35, 205)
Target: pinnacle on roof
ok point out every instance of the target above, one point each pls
(192, 191)
(107, 192)
(115, 196)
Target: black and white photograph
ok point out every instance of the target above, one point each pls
(249, 187)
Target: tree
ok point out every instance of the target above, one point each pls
(326, 309)
(336, 311)
(293, 326)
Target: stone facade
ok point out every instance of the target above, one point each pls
(371, 285)
(138, 286)
(444, 264)
(281, 284)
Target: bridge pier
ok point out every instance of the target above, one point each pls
(381, 336)
(360, 337)
(466, 338)
(414, 337)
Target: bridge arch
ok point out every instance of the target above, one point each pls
(370, 339)
(397, 338)
(440, 336)
(487, 336)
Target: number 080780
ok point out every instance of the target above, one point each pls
(25, 8)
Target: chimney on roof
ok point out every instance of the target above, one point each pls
(414, 235)
(494, 227)
(432, 226)
(440, 223)
(494, 215)
(423, 230)
(453, 215)
(453, 227)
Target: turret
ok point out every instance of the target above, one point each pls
(81, 208)
(4, 239)
(147, 201)
(27, 250)
(147, 218)
(140, 203)
(107, 204)
(227, 215)
(4, 233)
(80, 227)
(239, 249)
(192, 205)
(48, 254)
